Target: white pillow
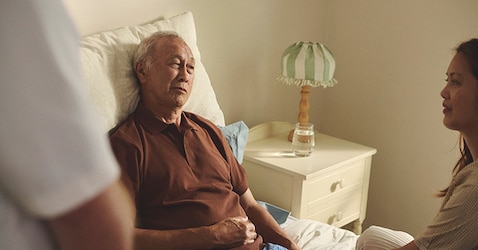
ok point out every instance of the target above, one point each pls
(107, 63)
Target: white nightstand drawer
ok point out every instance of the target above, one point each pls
(336, 182)
(338, 211)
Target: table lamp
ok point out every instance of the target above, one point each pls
(307, 65)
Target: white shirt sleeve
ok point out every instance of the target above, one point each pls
(53, 155)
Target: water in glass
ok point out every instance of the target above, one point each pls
(303, 141)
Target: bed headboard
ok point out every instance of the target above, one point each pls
(107, 58)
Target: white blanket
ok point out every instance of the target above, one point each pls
(314, 235)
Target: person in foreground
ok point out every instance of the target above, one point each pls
(455, 226)
(190, 192)
(60, 184)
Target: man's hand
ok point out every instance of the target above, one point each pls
(234, 231)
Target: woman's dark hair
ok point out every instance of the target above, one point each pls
(469, 49)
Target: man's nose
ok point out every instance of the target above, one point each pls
(184, 75)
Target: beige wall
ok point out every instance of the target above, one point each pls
(391, 59)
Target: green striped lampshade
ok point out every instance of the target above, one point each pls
(308, 63)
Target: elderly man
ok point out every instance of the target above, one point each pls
(189, 190)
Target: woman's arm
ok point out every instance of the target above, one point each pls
(409, 246)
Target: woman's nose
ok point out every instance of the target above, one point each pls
(444, 93)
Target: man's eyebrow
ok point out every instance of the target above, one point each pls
(181, 58)
(192, 59)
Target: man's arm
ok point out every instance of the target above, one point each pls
(265, 224)
(225, 234)
(104, 222)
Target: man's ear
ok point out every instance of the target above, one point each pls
(140, 72)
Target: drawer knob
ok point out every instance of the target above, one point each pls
(336, 217)
(337, 184)
(339, 216)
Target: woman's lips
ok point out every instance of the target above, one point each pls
(446, 109)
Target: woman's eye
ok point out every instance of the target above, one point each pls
(452, 81)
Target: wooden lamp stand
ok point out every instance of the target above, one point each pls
(303, 116)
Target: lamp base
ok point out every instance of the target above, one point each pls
(291, 135)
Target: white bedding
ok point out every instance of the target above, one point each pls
(310, 235)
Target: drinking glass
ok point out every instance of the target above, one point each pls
(303, 141)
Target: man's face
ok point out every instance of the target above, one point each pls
(170, 79)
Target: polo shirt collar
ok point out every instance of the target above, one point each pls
(154, 124)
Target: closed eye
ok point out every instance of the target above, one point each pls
(452, 81)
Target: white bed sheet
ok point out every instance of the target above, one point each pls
(315, 235)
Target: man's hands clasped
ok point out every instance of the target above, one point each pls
(234, 231)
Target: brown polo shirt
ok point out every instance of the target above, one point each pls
(178, 177)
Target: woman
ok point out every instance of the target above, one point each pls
(456, 224)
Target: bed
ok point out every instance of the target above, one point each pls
(106, 60)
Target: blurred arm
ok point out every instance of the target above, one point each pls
(104, 222)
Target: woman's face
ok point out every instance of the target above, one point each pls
(460, 104)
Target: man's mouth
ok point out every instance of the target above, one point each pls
(179, 88)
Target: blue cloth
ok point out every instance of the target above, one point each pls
(236, 135)
(270, 246)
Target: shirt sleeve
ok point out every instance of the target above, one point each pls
(455, 225)
(129, 157)
(53, 156)
(238, 173)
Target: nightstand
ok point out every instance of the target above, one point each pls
(330, 186)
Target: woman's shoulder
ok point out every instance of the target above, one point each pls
(470, 169)
(468, 176)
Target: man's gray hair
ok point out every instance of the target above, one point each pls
(146, 49)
